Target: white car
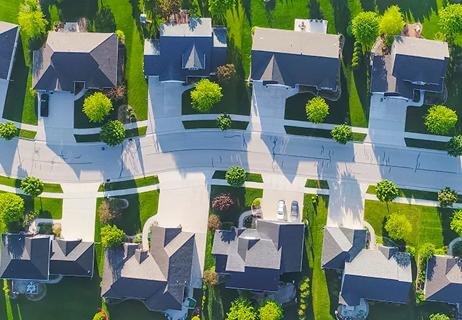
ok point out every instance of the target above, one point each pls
(281, 211)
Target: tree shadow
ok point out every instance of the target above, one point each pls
(418, 9)
(71, 10)
(445, 215)
(315, 10)
(104, 20)
(368, 5)
(247, 10)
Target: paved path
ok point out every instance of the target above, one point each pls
(417, 202)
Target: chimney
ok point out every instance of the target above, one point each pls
(140, 255)
(129, 249)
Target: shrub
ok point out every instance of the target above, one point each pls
(117, 93)
(455, 146)
(205, 95)
(107, 214)
(214, 223)
(456, 222)
(440, 120)
(392, 21)
(168, 7)
(195, 318)
(365, 28)
(56, 229)
(386, 191)
(241, 309)
(11, 210)
(120, 35)
(426, 251)
(224, 122)
(226, 73)
(97, 106)
(303, 293)
(210, 278)
(457, 249)
(447, 197)
(256, 203)
(31, 19)
(218, 8)
(438, 316)
(32, 186)
(398, 226)
(357, 53)
(8, 130)
(342, 133)
(223, 202)
(317, 109)
(235, 176)
(270, 310)
(113, 133)
(111, 236)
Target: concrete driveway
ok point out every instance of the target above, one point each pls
(346, 204)
(58, 127)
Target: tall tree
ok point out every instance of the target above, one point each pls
(392, 23)
(168, 7)
(365, 28)
(31, 19)
(241, 309)
(450, 21)
(218, 8)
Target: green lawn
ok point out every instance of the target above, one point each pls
(26, 134)
(95, 137)
(16, 183)
(252, 177)
(426, 144)
(205, 124)
(128, 184)
(47, 207)
(411, 193)
(320, 133)
(319, 184)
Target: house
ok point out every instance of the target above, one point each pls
(159, 277)
(254, 259)
(309, 60)
(9, 34)
(185, 51)
(70, 61)
(29, 257)
(341, 245)
(383, 274)
(443, 281)
(413, 65)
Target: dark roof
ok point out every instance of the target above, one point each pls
(340, 245)
(296, 58)
(253, 259)
(159, 277)
(377, 274)
(25, 257)
(68, 57)
(72, 258)
(193, 49)
(8, 36)
(444, 280)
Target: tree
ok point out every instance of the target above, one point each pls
(205, 95)
(120, 35)
(235, 176)
(32, 186)
(96, 107)
(111, 236)
(365, 29)
(241, 309)
(218, 8)
(11, 210)
(455, 146)
(107, 214)
(113, 133)
(224, 122)
(223, 202)
(456, 222)
(214, 223)
(450, 21)
(392, 21)
(447, 197)
(210, 278)
(8, 130)
(386, 191)
(270, 310)
(440, 120)
(31, 19)
(169, 7)
(342, 133)
(226, 73)
(438, 316)
(398, 226)
(426, 251)
(317, 109)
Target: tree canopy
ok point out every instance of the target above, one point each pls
(218, 8)
(113, 133)
(317, 109)
(32, 186)
(11, 210)
(96, 107)
(392, 22)
(386, 191)
(450, 20)
(398, 226)
(31, 19)
(440, 119)
(365, 28)
(241, 309)
(456, 222)
(205, 95)
(270, 310)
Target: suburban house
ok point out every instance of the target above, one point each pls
(159, 277)
(341, 245)
(413, 65)
(443, 281)
(254, 259)
(37, 257)
(184, 51)
(300, 58)
(9, 34)
(383, 274)
(72, 61)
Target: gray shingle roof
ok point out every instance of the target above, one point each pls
(76, 56)
(72, 258)
(378, 275)
(25, 257)
(296, 58)
(253, 259)
(341, 245)
(158, 277)
(8, 36)
(444, 280)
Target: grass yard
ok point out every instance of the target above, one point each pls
(26, 134)
(320, 133)
(95, 137)
(128, 184)
(207, 124)
(47, 207)
(318, 184)
(252, 177)
(426, 144)
(16, 183)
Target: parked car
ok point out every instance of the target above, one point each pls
(281, 211)
(44, 98)
(294, 210)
